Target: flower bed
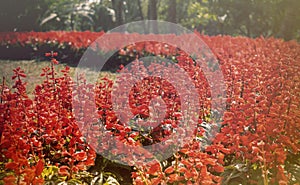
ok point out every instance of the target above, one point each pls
(259, 141)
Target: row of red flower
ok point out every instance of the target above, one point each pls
(72, 45)
(75, 39)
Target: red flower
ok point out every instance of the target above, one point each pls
(54, 61)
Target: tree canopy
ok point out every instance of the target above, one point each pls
(252, 18)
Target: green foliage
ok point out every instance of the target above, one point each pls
(51, 176)
(22, 15)
(252, 18)
(234, 174)
(198, 15)
(292, 165)
(103, 17)
(69, 15)
(257, 17)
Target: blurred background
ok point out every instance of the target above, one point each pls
(251, 18)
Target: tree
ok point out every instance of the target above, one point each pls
(198, 15)
(104, 17)
(68, 15)
(152, 15)
(290, 27)
(172, 11)
(22, 15)
(253, 18)
(118, 7)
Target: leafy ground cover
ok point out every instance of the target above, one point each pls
(258, 143)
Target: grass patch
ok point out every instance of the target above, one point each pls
(33, 69)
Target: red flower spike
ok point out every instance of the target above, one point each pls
(154, 169)
(39, 168)
(54, 61)
(173, 178)
(169, 170)
(156, 181)
(218, 169)
(10, 180)
(64, 170)
(12, 166)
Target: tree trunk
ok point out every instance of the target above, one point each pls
(152, 15)
(140, 9)
(172, 11)
(118, 7)
(141, 15)
(288, 24)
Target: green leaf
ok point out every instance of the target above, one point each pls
(74, 181)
